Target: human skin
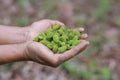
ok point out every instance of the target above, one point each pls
(17, 45)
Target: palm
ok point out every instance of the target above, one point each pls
(41, 54)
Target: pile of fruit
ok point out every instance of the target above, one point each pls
(59, 39)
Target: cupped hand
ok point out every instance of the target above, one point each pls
(40, 26)
(36, 51)
(41, 54)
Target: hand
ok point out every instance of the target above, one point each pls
(41, 54)
(40, 26)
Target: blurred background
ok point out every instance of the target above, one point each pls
(101, 20)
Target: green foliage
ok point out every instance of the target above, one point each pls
(88, 71)
(72, 70)
(106, 72)
(103, 8)
(21, 3)
(117, 22)
(59, 39)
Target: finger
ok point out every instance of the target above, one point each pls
(84, 36)
(43, 63)
(54, 22)
(73, 52)
(80, 29)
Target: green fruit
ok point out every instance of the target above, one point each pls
(63, 29)
(42, 36)
(76, 37)
(62, 49)
(52, 42)
(55, 38)
(36, 39)
(75, 42)
(60, 31)
(55, 48)
(62, 44)
(69, 30)
(49, 35)
(70, 34)
(45, 42)
(55, 27)
(49, 46)
(77, 33)
(59, 39)
(63, 38)
(70, 46)
(70, 42)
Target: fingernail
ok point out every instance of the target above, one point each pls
(82, 29)
(87, 43)
(85, 35)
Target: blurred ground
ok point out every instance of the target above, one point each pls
(100, 18)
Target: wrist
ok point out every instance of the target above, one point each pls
(28, 33)
(22, 51)
(13, 53)
(13, 34)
